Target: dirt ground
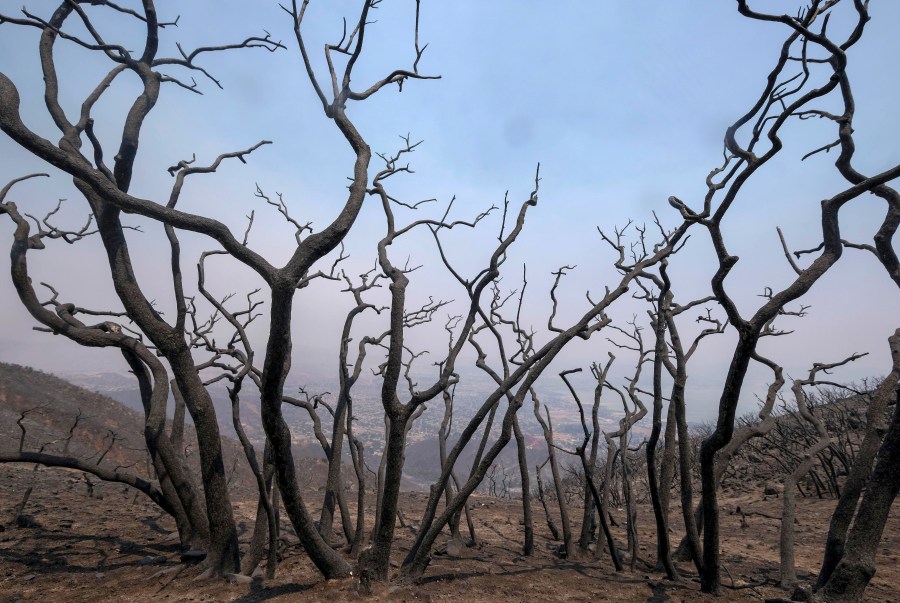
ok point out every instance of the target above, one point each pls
(114, 547)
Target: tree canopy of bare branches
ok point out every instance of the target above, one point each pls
(481, 313)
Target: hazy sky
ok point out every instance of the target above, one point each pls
(623, 104)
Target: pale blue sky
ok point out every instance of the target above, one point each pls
(623, 104)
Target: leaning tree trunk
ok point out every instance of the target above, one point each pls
(547, 427)
(262, 485)
(685, 469)
(630, 508)
(374, 562)
(857, 566)
(223, 552)
(479, 453)
(177, 491)
(418, 558)
(788, 512)
(580, 451)
(376, 559)
(333, 492)
(174, 480)
(265, 528)
(443, 434)
(876, 426)
(540, 486)
(600, 504)
(358, 458)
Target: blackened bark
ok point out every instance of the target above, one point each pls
(167, 459)
(265, 528)
(443, 434)
(275, 370)
(377, 558)
(710, 579)
(602, 512)
(876, 426)
(261, 483)
(109, 475)
(527, 520)
(822, 441)
(663, 548)
(669, 461)
(358, 458)
(857, 566)
(587, 520)
(547, 427)
(334, 485)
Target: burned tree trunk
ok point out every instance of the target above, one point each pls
(599, 502)
(527, 520)
(822, 440)
(744, 156)
(547, 427)
(850, 577)
(542, 497)
(663, 547)
(590, 506)
(876, 426)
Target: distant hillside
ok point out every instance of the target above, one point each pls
(769, 458)
(52, 405)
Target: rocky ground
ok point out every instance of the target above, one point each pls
(112, 546)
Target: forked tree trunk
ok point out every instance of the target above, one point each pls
(374, 562)
(580, 451)
(588, 524)
(333, 485)
(547, 427)
(275, 370)
(356, 454)
(418, 558)
(443, 434)
(377, 557)
(167, 460)
(602, 513)
(663, 547)
(540, 485)
(379, 479)
(262, 487)
(630, 508)
(177, 496)
(224, 554)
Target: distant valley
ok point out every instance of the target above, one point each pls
(422, 464)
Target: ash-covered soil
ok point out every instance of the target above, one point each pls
(113, 546)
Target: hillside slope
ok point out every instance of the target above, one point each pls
(105, 427)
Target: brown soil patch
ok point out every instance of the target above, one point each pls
(120, 548)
